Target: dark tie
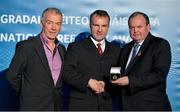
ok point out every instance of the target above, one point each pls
(99, 48)
(136, 45)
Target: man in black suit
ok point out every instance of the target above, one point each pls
(87, 67)
(36, 68)
(143, 81)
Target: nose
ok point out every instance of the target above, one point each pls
(135, 29)
(99, 28)
(53, 26)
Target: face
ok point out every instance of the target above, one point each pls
(99, 27)
(138, 28)
(51, 24)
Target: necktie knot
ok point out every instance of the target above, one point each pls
(135, 49)
(99, 44)
(99, 48)
(136, 45)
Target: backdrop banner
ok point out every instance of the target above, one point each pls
(20, 19)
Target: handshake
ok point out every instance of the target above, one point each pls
(96, 86)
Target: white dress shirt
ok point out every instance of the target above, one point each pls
(130, 55)
(96, 42)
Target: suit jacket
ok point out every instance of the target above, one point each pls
(29, 74)
(82, 63)
(147, 75)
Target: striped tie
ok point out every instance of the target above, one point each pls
(136, 45)
(99, 49)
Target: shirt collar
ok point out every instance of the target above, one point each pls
(45, 40)
(140, 43)
(96, 42)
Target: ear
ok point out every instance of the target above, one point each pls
(149, 27)
(41, 24)
(90, 25)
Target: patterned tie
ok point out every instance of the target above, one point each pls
(136, 45)
(99, 48)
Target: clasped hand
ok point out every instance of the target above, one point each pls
(96, 86)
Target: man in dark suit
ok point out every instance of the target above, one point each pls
(143, 81)
(36, 68)
(87, 67)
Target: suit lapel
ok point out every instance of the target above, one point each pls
(90, 46)
(107, 49)
(125, 57)
(40, 50)
(139, 54)
(62, 54)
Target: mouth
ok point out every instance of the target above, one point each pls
(99, 34)
(136, 35)
(52, 32)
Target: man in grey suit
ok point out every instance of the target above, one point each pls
(35, 71)
(87, 67)
(145, 63)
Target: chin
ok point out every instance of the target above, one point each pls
(51, 38)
